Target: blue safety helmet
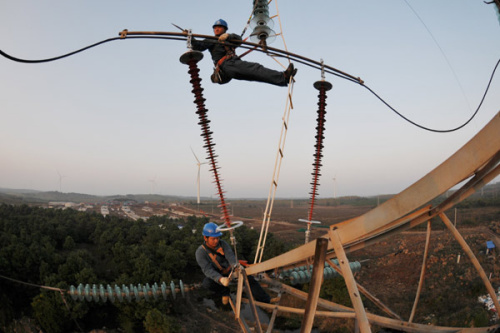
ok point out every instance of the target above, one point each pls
(221, 23)
(210, 230)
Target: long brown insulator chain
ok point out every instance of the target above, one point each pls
(191, 58)
(322, 86)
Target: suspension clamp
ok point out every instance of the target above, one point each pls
(190, 55)
(189, 38)
(123, 34)
(322, 69)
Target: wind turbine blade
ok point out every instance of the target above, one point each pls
(197, 160)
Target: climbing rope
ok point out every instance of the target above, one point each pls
(249, 19)
(266, 220)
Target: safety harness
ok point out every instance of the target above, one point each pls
(218, 76)
(213, 255)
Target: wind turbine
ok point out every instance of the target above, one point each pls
(198, 178)
(153, 184)
(335, 187)
(60, 180)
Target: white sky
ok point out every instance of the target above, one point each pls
(113, 118)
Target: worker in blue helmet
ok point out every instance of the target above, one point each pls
(229, 66)
(217, 260)
(221, 23)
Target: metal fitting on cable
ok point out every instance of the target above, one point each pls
(189, 38)
(322, 69)
(123, 34)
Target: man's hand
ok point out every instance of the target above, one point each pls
(224, 281)
(235, 272)
(223, 37)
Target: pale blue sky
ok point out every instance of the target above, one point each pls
(113, 118)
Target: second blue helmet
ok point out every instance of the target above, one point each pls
(221, 23)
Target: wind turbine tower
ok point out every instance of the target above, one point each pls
(198, 178)
(335, 187)
(60, 180)
(153, 185)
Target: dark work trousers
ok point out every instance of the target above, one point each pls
(219, 290)
(238, 69)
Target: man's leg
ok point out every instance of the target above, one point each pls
(258, 292)
(252, 71)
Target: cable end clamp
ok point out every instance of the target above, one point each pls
(123, 34)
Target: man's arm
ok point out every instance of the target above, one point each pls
(201, 45)
(235, 38)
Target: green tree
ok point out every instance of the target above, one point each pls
(157, 322)
(69, 243)
(50, 312)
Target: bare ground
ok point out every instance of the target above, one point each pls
(391, 268)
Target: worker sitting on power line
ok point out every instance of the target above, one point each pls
(229, 66)
(217, 260)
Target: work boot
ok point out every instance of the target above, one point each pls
(274, 300)
(290, 71)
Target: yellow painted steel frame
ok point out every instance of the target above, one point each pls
(422, 271)
(478, 160)
(316, 280)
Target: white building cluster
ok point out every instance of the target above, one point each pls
(488, 303)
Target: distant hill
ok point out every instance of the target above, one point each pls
(10, 190)
(19, 196)
(10, 199)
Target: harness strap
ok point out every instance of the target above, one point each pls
(213, 255)
(230, 52)
(221, 60)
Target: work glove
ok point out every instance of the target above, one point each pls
(223, 37)
(224, 281)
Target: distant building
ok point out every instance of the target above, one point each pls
(104, 211)
(62, 204)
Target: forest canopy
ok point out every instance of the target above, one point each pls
(60, 248)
